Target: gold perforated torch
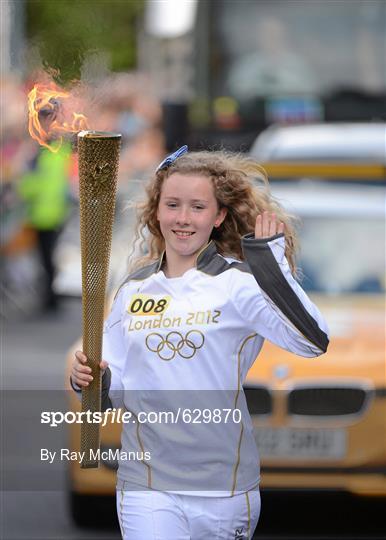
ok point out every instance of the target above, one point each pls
(51, 116)
(98, 169)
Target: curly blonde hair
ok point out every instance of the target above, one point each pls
(240, 185)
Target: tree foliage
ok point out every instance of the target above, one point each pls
(66, 31)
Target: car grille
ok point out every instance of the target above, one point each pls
(319, 401)
(326, 401)
(259, 399)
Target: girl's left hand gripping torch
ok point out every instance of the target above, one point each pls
(98, 170)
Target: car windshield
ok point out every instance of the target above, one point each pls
(342, 235)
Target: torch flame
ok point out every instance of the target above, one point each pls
(49, 117)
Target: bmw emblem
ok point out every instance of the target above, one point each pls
(281, 371)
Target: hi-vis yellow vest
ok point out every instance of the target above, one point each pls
(45, 190)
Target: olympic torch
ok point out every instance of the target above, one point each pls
(51, 117)
(98, 154)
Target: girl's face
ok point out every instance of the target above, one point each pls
(187, 213)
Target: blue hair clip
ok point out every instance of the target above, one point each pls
(172, 158)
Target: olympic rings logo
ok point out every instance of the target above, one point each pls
(175, 343)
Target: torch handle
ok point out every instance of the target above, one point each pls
(94, 274)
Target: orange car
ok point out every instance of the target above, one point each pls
(319, 422)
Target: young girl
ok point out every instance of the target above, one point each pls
(183, 331)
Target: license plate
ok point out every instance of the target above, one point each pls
(296, 443)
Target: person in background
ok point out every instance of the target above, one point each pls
(44, 190)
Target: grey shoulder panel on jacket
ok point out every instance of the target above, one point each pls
(217, 265)
(140, 274)
(212, 263)
(143, 273)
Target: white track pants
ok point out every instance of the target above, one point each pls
(155, 515)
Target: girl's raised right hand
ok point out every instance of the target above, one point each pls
(81, 372)
(267, 225)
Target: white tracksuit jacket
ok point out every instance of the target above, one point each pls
(184, 346)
